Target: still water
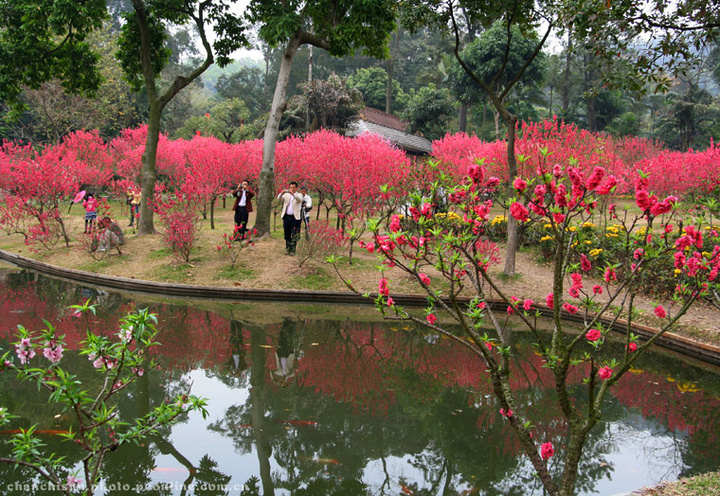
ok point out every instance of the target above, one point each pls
(321, 400)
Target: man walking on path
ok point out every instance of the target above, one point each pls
(291, 207)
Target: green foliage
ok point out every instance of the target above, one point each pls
(225, 121)
(429, 111)
(372, 83)
(494, 63)
(40, 42)
(130, 51)
(95, 426)
(342, 25)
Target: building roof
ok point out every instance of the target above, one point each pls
(390, 127)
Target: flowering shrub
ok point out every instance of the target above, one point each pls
(233, 246)
(180, 220)
(95, 427)
(322, 241)
(564, 198)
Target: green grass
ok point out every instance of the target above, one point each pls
(701, 485)
(320, 280)
(173, 273)
(98, 265)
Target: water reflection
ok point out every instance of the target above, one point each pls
(312, 406)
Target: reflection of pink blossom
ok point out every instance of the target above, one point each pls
(605, 373)
(546, 450)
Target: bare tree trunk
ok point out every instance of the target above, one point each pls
(149, 175)
(566, 76)
(266, 188)
(462, 118)
(512, 227)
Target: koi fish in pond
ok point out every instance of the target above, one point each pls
(301, 423)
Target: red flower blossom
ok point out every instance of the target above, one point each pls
(570, 308)
(549, 300)
(431, 318)
(605, 373)
(546, 450)
(631, 347)
(424, 278)
(660, 311)
(593, 335)
(519, 211)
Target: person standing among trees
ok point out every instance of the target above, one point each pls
(306, 207)
(242, 207)
(90, 205)
(291, 211)
(134, 196)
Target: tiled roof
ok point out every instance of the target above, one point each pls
(384, 119)
(390, 127)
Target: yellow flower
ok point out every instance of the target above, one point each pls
(548, 226)
(588, 242)
(678, 272)
(611, 235)
(635, 371)
(572, 229)
(498, 219)
(588, 225)
(594, 253)
(545, 238)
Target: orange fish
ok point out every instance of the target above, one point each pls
(300, 422)
(406, 490)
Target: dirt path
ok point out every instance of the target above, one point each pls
(265, 266)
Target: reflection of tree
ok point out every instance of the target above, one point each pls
(365, 395)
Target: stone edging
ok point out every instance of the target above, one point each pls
(701, 351)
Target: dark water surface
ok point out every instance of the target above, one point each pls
(321, 400)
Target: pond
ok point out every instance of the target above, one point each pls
(320, 400)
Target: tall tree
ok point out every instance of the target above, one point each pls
(338, 26)
(497, 62)
(41, 40)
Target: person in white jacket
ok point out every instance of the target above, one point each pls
(291, 216)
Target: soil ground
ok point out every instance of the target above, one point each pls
(265, 266)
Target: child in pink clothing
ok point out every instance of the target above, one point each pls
(90, 204)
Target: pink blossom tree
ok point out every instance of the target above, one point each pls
(446, 258)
